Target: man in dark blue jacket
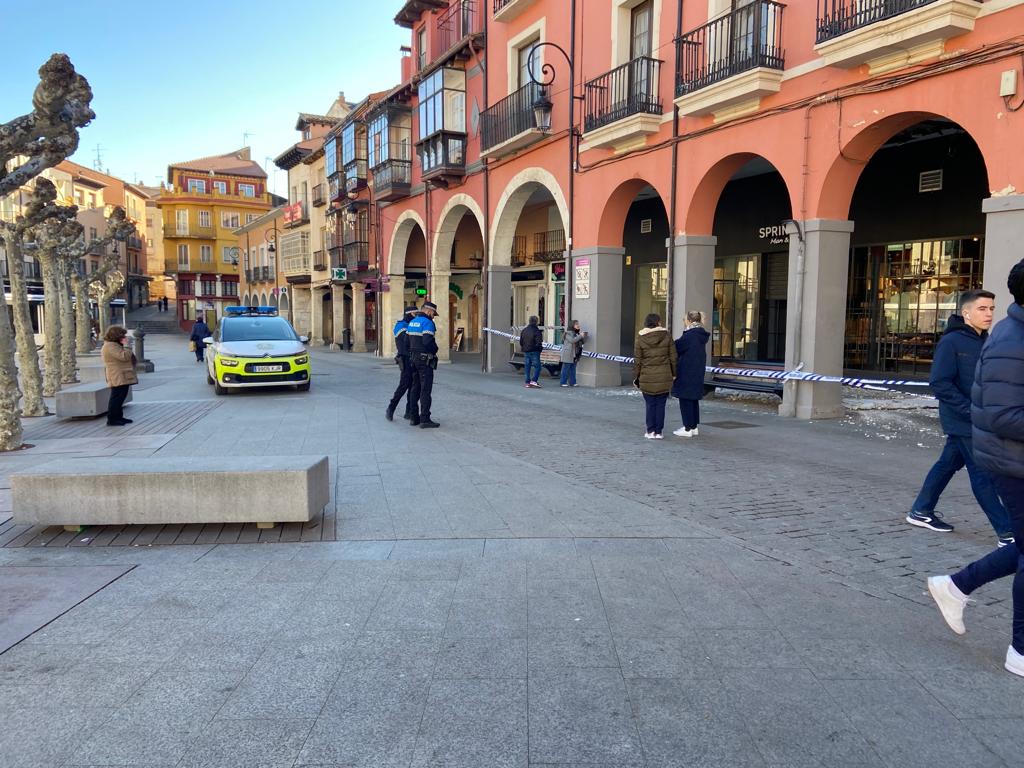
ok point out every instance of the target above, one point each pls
(956, 357)
(405, 366)
(998, 414)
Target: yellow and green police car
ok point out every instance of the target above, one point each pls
(254, 347)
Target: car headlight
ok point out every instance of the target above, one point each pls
(227, 361)
(302, 360)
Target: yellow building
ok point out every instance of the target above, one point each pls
(203, 204)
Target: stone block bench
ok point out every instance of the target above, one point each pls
(166, 490)
(88, 399)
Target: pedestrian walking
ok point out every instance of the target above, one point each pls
(691, 349)
(200, 331)
(572, 347)
(405, 365)
(997, 411)
(531, 341)
(423, 350)
(119, 369)
(952, 375)
(654, 368)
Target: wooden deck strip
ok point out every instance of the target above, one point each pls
(169, 534)
(45, 535)
(229, 533)
(210, 533)
(106, 535)
(189, 533)
(147, 535)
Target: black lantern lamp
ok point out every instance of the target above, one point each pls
(542, 110)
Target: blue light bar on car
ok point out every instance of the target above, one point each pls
(241, 311)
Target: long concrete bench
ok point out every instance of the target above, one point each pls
(88, 399)
(226, 489)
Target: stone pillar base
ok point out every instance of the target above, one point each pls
(600, 313)
(358, 317)
(439, 282)
(499, 307)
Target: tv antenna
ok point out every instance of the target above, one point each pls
(98, 162)
(245, 138)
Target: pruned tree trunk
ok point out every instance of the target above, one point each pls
(68, 360)
(28, 358)
(83, 322)
(10, 393)
(51, 327)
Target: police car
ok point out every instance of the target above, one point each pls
(254, 347)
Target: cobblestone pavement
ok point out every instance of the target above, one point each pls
(532, 584)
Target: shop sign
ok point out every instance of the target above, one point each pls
(558, 270)
(292, 213)
(456, 289)
(581, 277)
(775, 235)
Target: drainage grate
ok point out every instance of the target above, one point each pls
(730, 424)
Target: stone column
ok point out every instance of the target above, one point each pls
(358, 317)
(693, 279)
(439, 283)
(1004, 232)
(600, 313)
(816, 315)
(499, 310)
(392, 303)
(337, 314)
(316, 317)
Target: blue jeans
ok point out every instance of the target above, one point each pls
(656, 412)
(1005, 561)
(531, 362)
(568, 374)
(957, 454)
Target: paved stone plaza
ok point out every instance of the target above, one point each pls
(534, 584)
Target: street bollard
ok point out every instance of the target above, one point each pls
(142, 365)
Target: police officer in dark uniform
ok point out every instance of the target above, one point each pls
(405, 366)
(423, 350)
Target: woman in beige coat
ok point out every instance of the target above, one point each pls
(119, 365)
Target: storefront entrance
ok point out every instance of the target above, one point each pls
(749, 320)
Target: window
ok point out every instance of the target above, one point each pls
(247, 190)
(181, 221)
(96, 265)
(81, 266)
(640, 30)
(523, 57)
(92, 234)
(228, 255)
(149, 221)
(257, 329)
(208, 288)
(197, 185)
(331, 156)
(442, 102)
(187, 287)
(307, 134)
(149, 242)
(79, 198)
(229, 289)
(230, 220)
(92, 200)
(204, 219)
(183, 256)
(263, 256)
(206, 254)
(421, 47)
(221, 187)
(251, 217)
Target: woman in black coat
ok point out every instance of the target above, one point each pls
(689, 382)
(200, 331)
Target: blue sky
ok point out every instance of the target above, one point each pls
(174, 81)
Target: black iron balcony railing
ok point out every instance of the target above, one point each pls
(336, 183)
(248, 276)
(549, 246)
(748, 38)
(392, 179)
(443, 154)
(629, 89)
(333, 241)
(837, 17)
(319, 261)
(509, 117)
(318, 195)
(355, 175)
(462, 19)
(499, 4)
(357, 255)
(518, 250)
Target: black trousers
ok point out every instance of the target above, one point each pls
(115, 406)
(425, 376)
(690, 411)
(404, 387)
(199, 351)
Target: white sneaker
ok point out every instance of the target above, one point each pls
(649, 435)
(682, 432)
(657, 436)
(1014, 662)
(694, 432)
(951, 602)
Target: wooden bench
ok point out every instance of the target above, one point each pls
(550, 360)
(86, 400)
(170, 490)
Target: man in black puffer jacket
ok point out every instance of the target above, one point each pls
(998, 415)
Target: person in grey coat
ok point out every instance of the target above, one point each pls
(573, 338)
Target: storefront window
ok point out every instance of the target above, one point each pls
(651, 292)
(736, 298)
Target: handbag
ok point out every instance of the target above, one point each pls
(192, 345)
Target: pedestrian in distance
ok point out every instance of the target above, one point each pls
(654, 369)
(423, 351)
(200, 331)
(572, 346)
(119, 368)
(997, 411)
(952, 375)
(406, 368)
(691, 349)
(531, 341)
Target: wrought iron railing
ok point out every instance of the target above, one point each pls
(318, 195)
(319, 260)
(629, 89)
(748, 38)
(355, 175)
(837, 17)
(518, 250)
(333, 240)
(462, 19)
(357, 255)
(549, 246)
(443, 154)
(509, 117)
(391, 173)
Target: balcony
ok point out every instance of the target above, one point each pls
(510, 124)
(297, 265)
(268, 273)
(507, 10)
(193, 230)
(248, 276)
(518, 255)
(462, 19)
(357, 255)
(336, 182)
(888, 34)
(318, 195)
(134, 243)
(727, 65)
(319, 260)
(355, 175)
(441, 155)
(295, 215)
(549, 246)
(392, 179)
(623, 107)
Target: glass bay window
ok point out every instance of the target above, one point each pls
(353, 155)
(442, 122)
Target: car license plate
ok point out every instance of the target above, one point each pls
(266, 369)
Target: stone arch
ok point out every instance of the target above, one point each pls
(510, 206)
(245, 301)
(273, 300)
(405, 224)
(840, 181)
(616, 208)
(447, 222)
(284, 302)
(700, 213)
(263, 300)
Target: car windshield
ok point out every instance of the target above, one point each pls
(256, 329)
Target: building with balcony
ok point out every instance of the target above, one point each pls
(822, 179)
(262, 281)
(202, 206)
